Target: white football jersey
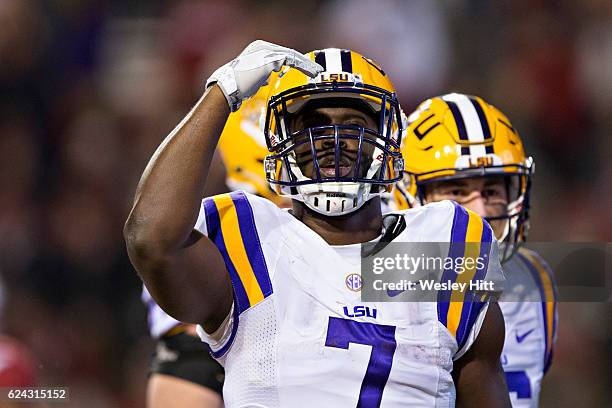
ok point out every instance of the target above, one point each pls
(158, 321)
(300, 336)
(530, 312)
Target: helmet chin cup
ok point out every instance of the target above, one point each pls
(334, 199)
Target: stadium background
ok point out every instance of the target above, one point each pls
(89, 89)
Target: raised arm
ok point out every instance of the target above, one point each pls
(178, 268)
(184, 272)
(478, 375)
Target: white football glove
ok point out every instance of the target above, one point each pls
(242, 77)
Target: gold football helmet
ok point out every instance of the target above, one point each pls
(457, 136)
(244, 156)
(348, 80)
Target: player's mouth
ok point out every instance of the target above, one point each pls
(327, 167)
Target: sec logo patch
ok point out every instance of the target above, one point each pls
(353, 282)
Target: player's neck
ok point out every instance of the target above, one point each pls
(359, 226)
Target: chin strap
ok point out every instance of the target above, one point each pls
(393, 225)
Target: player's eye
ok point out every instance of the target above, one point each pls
(457, 192)
(491, 193)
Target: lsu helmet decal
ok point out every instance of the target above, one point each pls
(333, 168)
(457, 136)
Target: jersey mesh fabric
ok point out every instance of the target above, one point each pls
(252, 359)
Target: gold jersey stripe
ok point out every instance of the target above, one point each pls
(473, 237)
(235, 247)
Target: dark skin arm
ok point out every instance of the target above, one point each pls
(215, 182)
(478, 375)
(183, 271)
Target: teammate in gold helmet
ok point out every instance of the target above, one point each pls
(460, 148)
(456, 137)
(244, 161)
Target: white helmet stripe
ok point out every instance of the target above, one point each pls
(470, 117)
(333, 60)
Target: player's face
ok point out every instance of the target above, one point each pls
(486, 196)
(325, 149)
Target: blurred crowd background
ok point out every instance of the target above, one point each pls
(88, 89)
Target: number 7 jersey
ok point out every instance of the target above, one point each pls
(299, 334)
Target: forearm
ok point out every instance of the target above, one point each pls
(478, 375)
(489, 390)
(169, 194)
(187, 275)
(159, 232)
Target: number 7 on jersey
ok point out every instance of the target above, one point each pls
(341, 332)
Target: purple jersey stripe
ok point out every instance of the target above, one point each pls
(471, 305)
(213, 224)
(250, 238)
(456, 250)
(219, 353)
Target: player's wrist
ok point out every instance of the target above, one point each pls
(224, 77)
(218, 99)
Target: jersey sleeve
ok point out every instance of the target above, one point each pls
(543, 277)
(229, 221)
(461, 310)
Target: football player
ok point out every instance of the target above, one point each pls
(458, 147)
(268, 286)
(183, 374)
